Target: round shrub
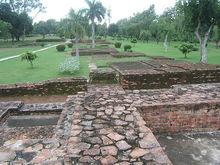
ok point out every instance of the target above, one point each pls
(195, 49)
(134, 41)
(118, 44)
(61, 48)
(127, 48)
(70, 45)
(186, 48)
(130, 50)
(98, 37)
(119, 38)
(42, 44)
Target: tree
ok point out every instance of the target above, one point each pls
(29, 57)
(75, 26)
(156, 30)
(109, 16)
(200, 17)
(145, 35)
(5, 30)
(216, 36)
(25, 24)
(101, 30)
(51, 25)
(21, 9)
(21, 22)
(95, 11)
(41, 28)
(186, 49)
(44, 28)
(24, 6)
(113, 29)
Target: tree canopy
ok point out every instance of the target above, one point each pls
(201, 16)
(95, 11)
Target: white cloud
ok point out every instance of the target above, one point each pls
(58, 9)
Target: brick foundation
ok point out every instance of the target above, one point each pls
(102, 75)
(185, 117)
(158, 74)
(51, 87)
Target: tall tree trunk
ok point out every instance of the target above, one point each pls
(165, 44)
(217, 44)
(203, 52)
(24, 33)
(77, 48)
(203, 42)
(93, 34)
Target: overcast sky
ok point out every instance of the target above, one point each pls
(57, 9)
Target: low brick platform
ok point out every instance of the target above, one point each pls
(160, 57)
(108, 125)
(95, 51)
(127, 54)
(156, 74)
(59, 86)
(103, 75)
(97, 41)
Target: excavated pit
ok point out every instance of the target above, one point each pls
(28, 121)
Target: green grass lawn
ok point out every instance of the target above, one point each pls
(7, 52)
(47, 65)
(154, 49)
(7, 48)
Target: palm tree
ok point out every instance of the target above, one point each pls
(77, 23)
(95, 11)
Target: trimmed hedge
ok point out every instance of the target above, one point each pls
(50, 40)
(61, 48)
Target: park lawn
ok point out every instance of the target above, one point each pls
(7, 52)
(8, 49)
(154, 49)
(45, 67)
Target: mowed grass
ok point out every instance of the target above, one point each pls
(7, 48)
(46, 67)
(154, 49)
(7, 52)
(47, 64)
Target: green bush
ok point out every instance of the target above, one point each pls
(186, 48)
(70, 45)
(195, 49)
(127, 48)
(42, 44)
(134, 41)
(61, 48)
(130, 50)
(119, 38)
(50, 40)
(98, 37)
(29, 57)
(118, 44)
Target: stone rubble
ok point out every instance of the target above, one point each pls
(104, 126)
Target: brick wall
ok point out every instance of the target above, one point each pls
(102, 75)
(166, 80)
(50, 87)
(155, 74)
(175, 118)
